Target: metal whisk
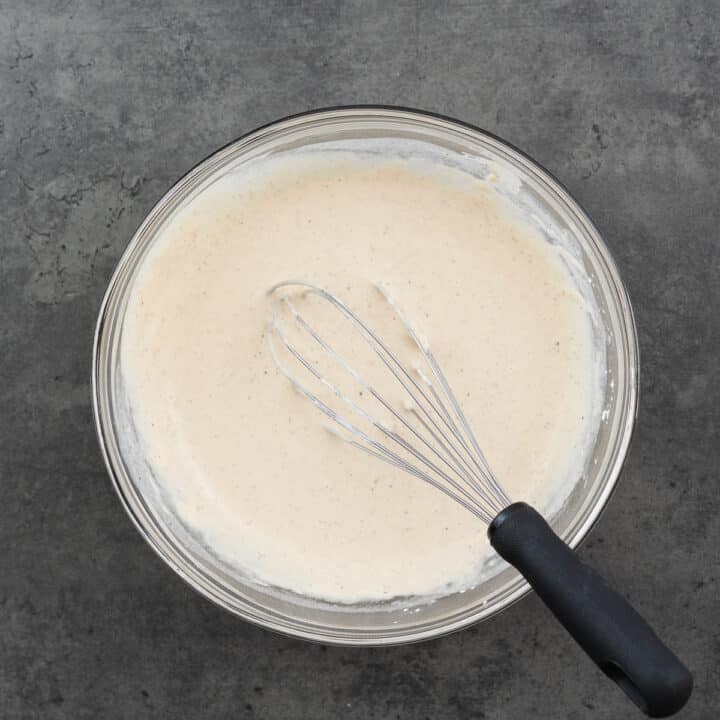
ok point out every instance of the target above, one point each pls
(429, 437)
(447, 455)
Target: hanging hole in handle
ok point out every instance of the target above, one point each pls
(617, 674)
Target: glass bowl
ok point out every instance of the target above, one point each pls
(380, 623)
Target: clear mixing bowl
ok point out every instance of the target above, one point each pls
(380, 623)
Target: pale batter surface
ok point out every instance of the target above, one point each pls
(244, 457)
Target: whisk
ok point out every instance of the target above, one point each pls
(426, 434)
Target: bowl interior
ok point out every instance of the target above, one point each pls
(538, 196)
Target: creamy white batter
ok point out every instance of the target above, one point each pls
(244, 457)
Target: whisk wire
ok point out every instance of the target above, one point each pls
(379, 450)
(457, 463)
(467, 477)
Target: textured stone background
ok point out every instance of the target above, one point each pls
(104, 104)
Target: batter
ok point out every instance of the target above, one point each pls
(244, 458)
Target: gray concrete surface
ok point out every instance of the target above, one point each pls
(104, 104)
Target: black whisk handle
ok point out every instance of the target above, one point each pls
(600, 620)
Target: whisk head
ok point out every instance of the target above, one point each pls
(405, 415)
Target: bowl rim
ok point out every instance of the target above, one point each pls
(308, 632)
